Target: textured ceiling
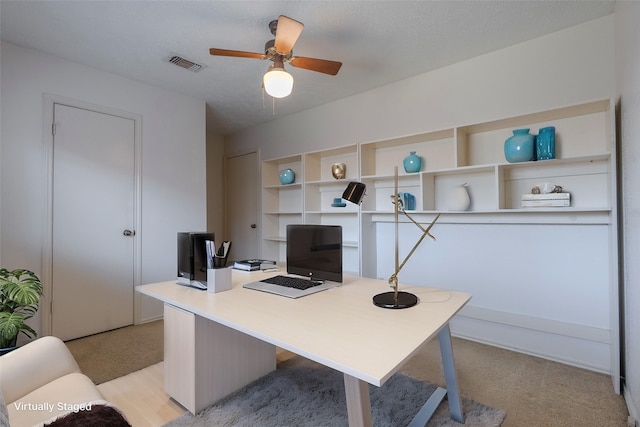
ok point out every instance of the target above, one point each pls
(378, 42)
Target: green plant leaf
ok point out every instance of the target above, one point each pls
(21, 286)
(10, 326)
(20, 292)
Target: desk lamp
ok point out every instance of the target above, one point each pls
(395, 299)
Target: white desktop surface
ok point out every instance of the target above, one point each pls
(339, 328)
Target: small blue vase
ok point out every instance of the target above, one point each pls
(287, 176)
(409, 201)
(546, 143)
(412, 163)
(520, 147)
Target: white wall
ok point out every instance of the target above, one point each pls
(215, 186)
(563, 68)
(540, 314)
(627, 24)
(173, 140)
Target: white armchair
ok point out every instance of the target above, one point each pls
(41, 381)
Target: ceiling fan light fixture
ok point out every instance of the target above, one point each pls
(277, 82)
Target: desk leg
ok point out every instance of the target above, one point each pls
(358, 402)
(455, 404)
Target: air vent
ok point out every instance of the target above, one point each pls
(185, 63)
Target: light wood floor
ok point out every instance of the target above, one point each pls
(141, 397)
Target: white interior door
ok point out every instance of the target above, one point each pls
(242, 206)
(93, 207)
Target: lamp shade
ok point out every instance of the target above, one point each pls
(277, 82)
(354, 192)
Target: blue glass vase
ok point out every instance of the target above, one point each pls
(287, 176)
(412, 163)
(520, 147)
(546, 143)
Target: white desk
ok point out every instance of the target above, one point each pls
(339, 328)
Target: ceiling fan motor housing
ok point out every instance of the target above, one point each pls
(271, 53)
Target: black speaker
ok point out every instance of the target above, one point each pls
(192, 257)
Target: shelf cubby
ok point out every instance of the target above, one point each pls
(318, 164)
(436, 149)
(580, 130)
(480, 182)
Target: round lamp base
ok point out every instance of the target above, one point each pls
(388, 300)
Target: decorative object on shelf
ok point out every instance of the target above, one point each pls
(459, 199)
(412, 163)
(546, 143)
(394, 299)
(545, 200)
(338, 203)
(545, 195)
(287, 176)
(339, 170)
(520, 147)
(408, 200)
(546, 188)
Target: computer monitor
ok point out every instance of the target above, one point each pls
(192, 257)
(315, 251)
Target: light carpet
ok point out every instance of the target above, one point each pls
(303, 393)
(113, 354)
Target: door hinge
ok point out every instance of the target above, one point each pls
(53, 129)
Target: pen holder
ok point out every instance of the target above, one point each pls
(219, 262)
(218, 279)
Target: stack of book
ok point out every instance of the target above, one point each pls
(546, 200)
(254, 264)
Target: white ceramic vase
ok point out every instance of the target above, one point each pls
(459, 198)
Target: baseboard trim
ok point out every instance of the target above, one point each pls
(150, 319)
(634, 412)
(577, 345)
(537, 324)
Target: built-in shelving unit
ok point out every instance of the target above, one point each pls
(309, 200)
(281, 204)
(471, 154)
(474, 155)
(320, 190)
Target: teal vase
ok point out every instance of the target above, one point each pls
(412, 163)
(546, 143)
(520, 147)
(287, 176)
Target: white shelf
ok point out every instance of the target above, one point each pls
(336, 211)
(471, 154)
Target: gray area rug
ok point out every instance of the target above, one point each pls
(113, 354)
(302, 393)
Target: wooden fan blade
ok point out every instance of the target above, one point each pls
(236, 53)
(319, 65)
(287, 33)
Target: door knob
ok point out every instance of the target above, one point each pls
(129, 233)
(253, 226)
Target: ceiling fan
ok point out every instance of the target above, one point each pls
(277, 82)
